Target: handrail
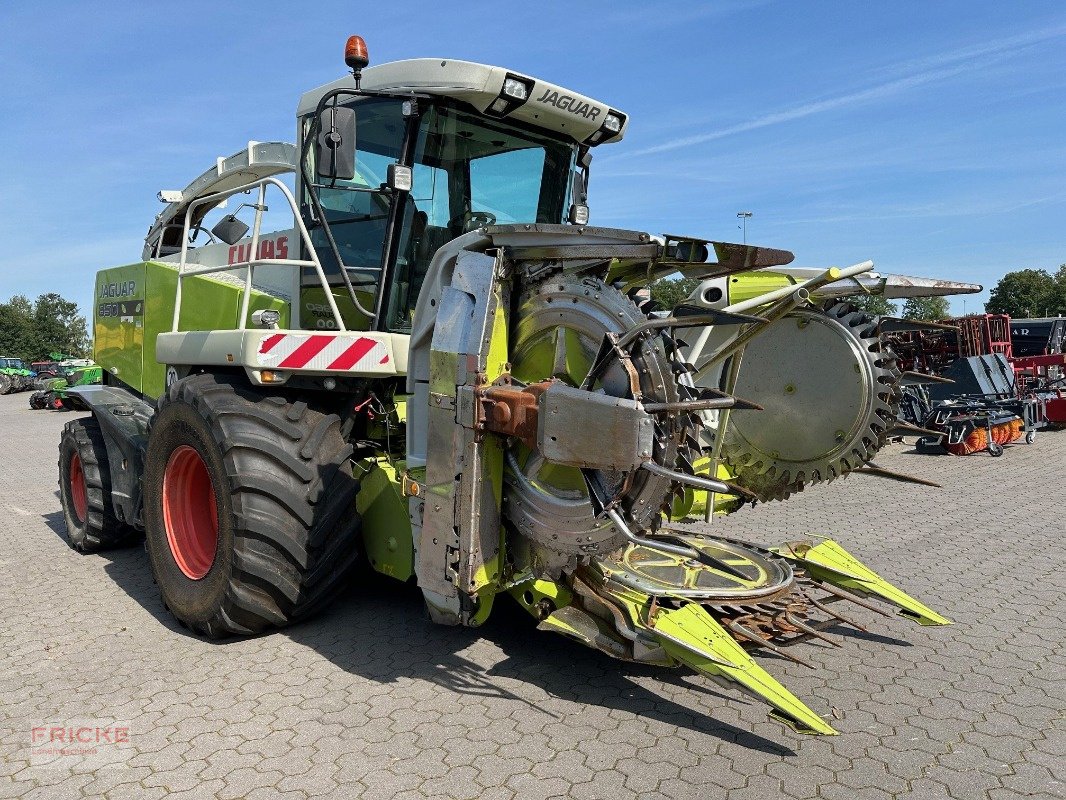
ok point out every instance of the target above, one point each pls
(184, 269)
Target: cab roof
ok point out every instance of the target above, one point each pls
(547, 106)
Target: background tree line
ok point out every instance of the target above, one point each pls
(1030, 293)
(32, 330)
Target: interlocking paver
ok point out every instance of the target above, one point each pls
(370, 700)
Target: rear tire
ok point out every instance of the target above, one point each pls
(249, 503)
(85, 489)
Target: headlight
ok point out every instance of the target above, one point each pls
(514, 93)
(613, 122)
(512, 87)
(266, 318)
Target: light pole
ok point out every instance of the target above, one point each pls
(744, 216)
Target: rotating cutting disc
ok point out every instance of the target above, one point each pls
(559, 326)
(829, 396)
(729, 572)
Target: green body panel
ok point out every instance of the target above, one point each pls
(693, 502)
(689, 636)
(316, 314)
(387, 537)
(533, 592)
(752, 284)
(135, 303)
(829, 562)
(693, 637)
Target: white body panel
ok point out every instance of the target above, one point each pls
(343, 354)
(273, 279)
(549, 106)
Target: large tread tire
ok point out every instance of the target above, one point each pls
(94, 526)
(5, 383)
(288, 532)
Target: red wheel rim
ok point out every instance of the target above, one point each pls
(190, 514)
(79, 495)
(57, 403)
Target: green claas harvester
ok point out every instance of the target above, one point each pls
(439, 369)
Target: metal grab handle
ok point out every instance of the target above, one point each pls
(250, 265)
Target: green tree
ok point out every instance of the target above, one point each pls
(1058, 299)
(31, 331)
(927, 308)
(17, 337)
(876, 304)
(668, 292)
(60, 325)
(1025, 293)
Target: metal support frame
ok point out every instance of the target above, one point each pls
(184, 270)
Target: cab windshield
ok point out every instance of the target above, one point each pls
(469, 171)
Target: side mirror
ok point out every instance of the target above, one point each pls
(230, 229)
(335, 146)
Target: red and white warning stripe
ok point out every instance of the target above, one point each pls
(316, 351)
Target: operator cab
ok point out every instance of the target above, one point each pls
(397, 160)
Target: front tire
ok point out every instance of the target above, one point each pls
(249, 503)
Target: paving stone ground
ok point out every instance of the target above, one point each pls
(369, 700)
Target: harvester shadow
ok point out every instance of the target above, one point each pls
(848, 632)
(128, 567)
(379, 632)
(56, 523)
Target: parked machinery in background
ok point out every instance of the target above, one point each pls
(14, 376)
(1006, 380)
(977, 409)
(54, 392)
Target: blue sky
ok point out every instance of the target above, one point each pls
(930, 137)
